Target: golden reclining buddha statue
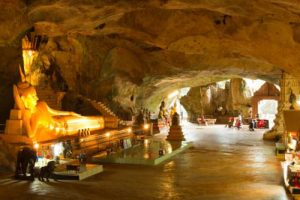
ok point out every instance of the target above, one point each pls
(42, 123)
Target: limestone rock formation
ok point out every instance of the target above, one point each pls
(115, 50)
(206, 100)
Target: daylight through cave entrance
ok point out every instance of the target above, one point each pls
(267, 109)
(243, 98)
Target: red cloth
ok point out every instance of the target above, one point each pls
(261, 124)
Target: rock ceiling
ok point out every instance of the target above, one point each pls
(166, 43)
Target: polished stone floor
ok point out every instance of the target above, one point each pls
(223, 164)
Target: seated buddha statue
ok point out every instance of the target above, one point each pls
(43, 123)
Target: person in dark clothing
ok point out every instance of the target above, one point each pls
(251, 125)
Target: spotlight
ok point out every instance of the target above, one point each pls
(51, 127)
(36, 145)
(129, 130)
(146, 126)
(29, 53)
(107, 134)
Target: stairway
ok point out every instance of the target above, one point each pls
(109, 115)
(49, 96)
(102, 108)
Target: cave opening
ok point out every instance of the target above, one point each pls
(174, 101)
(249, 98)
(267, 109)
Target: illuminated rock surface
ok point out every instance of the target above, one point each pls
(112, 50)
(224, 164)
(208, 98)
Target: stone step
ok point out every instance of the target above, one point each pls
(105, 110)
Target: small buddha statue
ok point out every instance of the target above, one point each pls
(44, 123)
(173, 110)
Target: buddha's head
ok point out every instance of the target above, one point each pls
(28, 95)
(27, 92)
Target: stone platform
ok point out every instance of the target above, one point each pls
(16, 139)
(90, 170)
(145, 154)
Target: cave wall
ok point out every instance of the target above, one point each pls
(115, 50)
(13, 25)
(192, 104)
(238, 101)
(96, 67)
(11, 57)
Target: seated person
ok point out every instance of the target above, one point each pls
(201, 120)
(43, 123)
(230, 122)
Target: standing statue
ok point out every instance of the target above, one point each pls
(44, 123)
(162, 111)
(292, 99)
(163, 114)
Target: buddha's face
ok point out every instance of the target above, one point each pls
(28, 95)
(30, 101)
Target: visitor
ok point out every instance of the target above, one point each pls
(238, 124)
(230, 122)
(202, 121)
(251, 125)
